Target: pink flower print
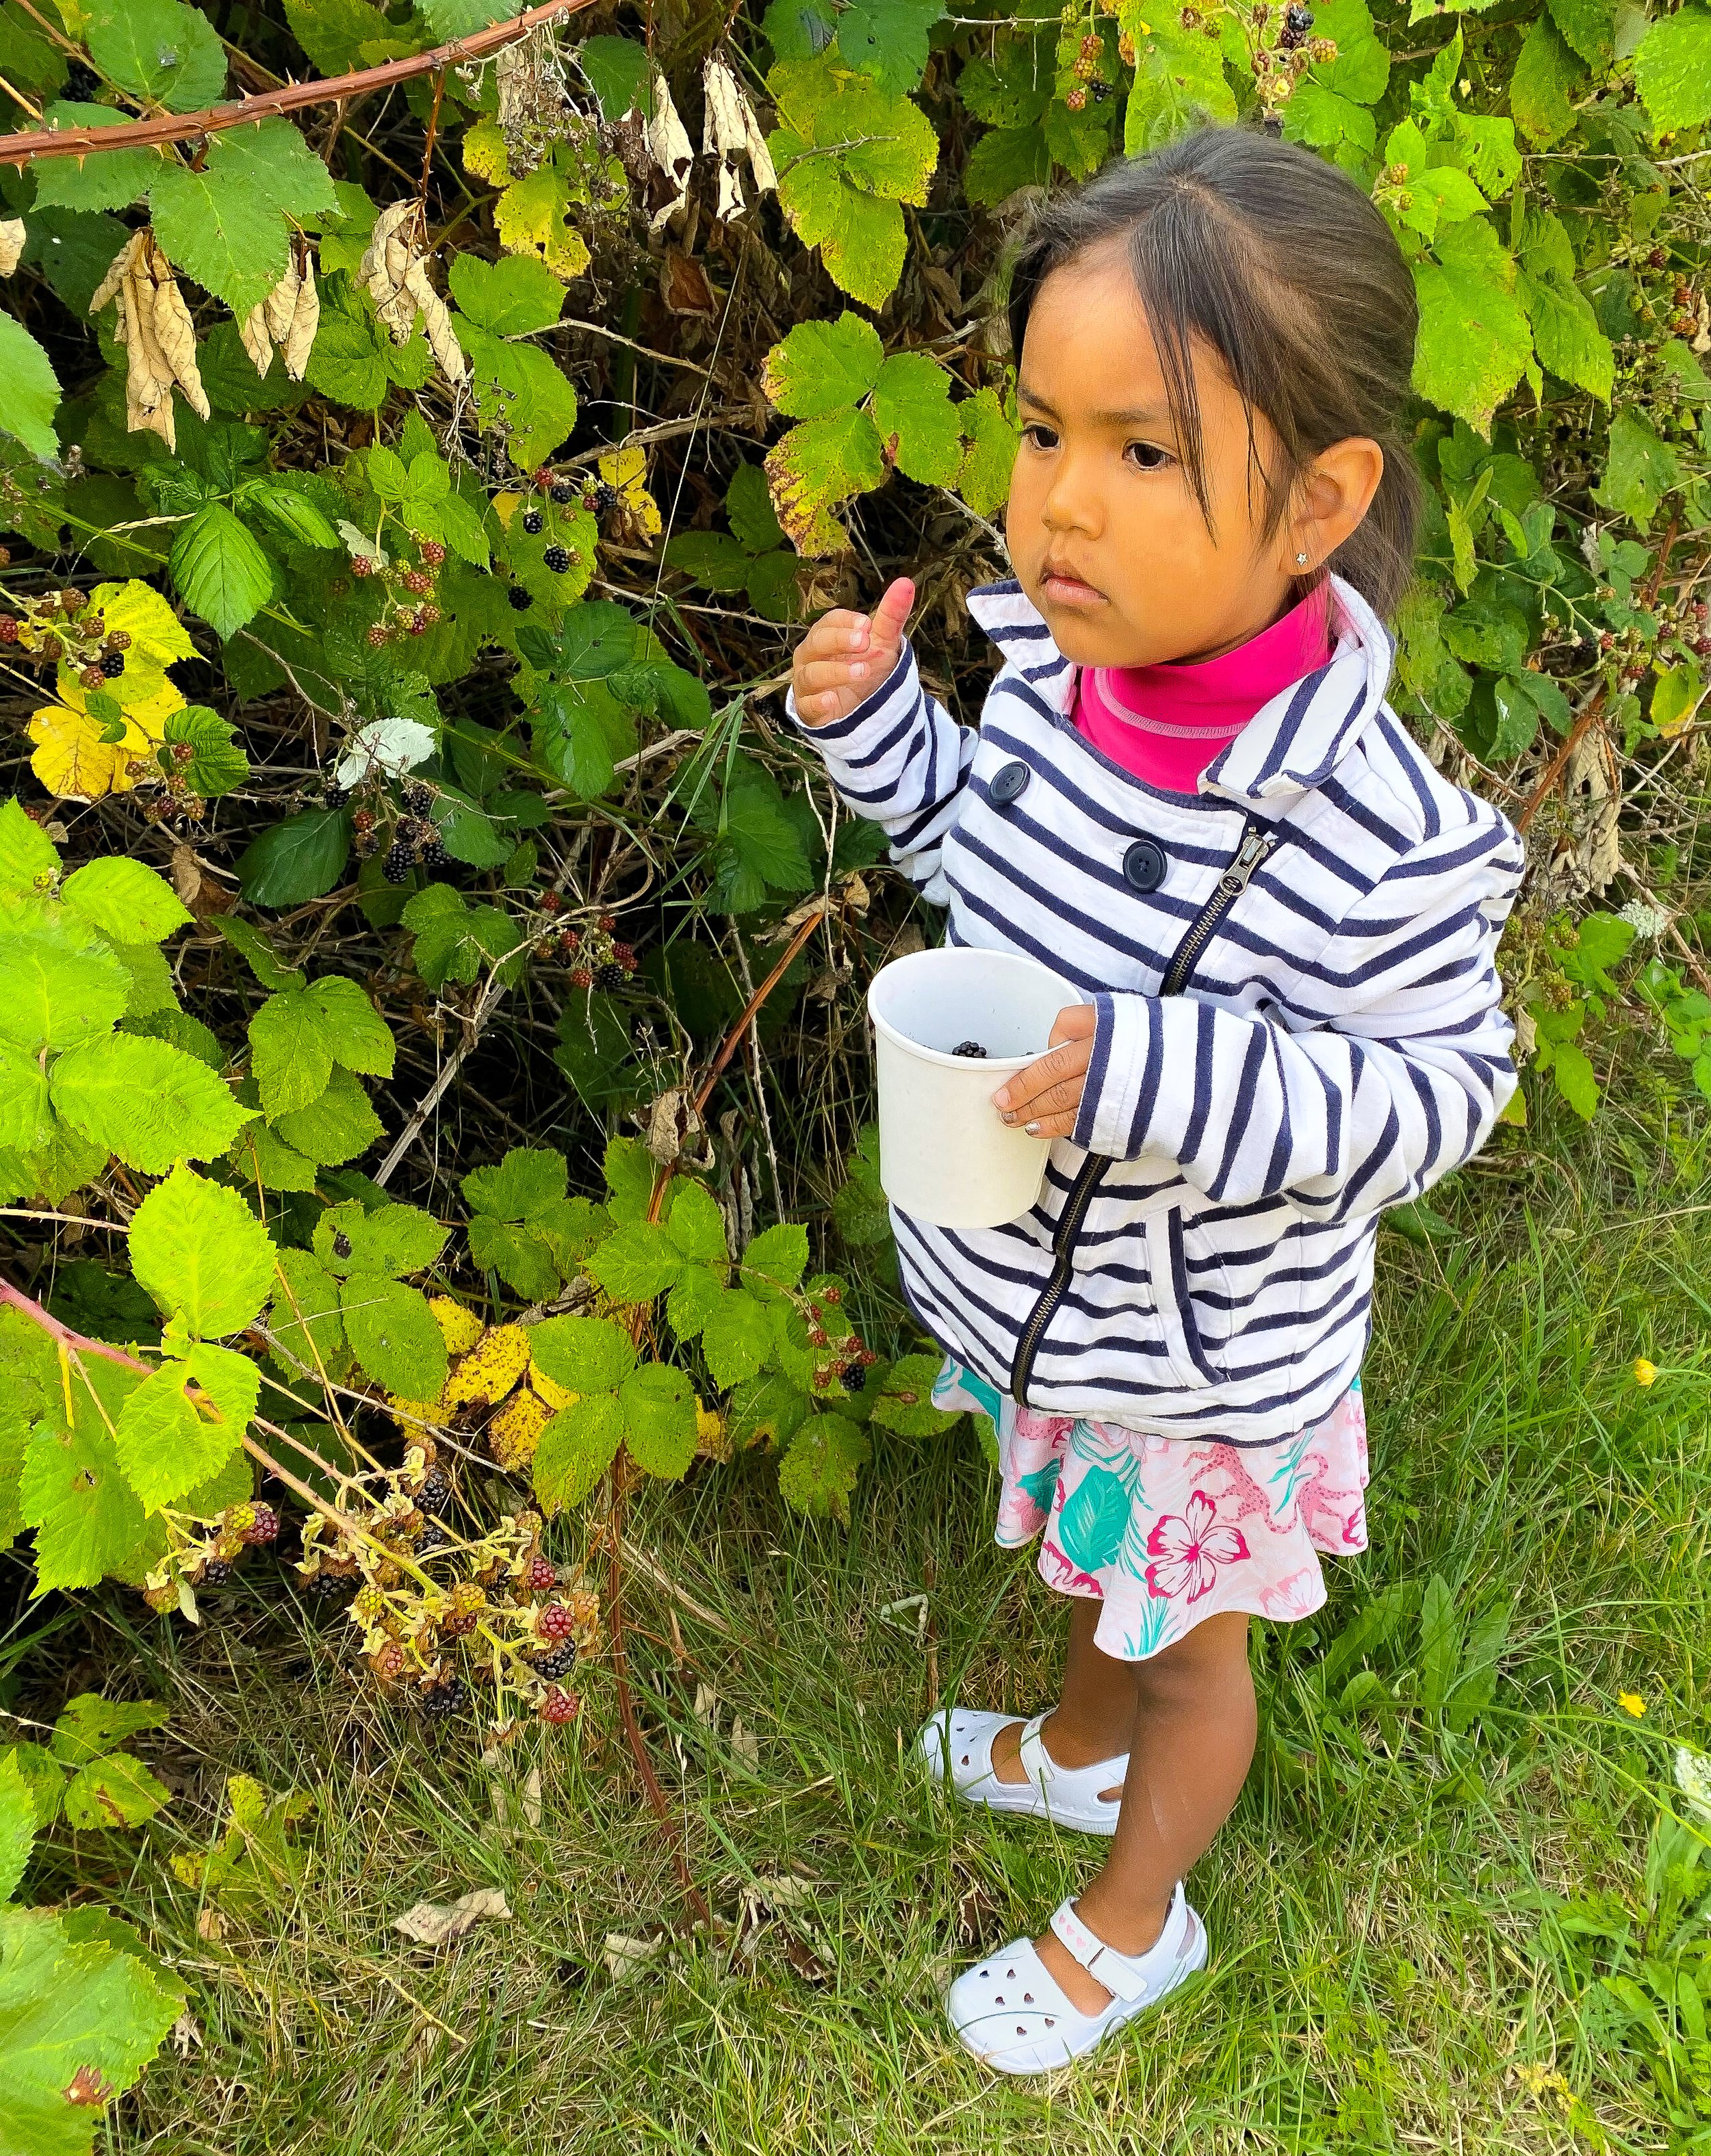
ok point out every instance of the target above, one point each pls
(1193, 1548)
(1057, 1571)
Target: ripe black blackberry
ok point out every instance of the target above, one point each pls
(400, 860)
(562, 492)
(432, 1537)
(418, 797)
(340, 1244)
(533, 522)
(969, 1047)
(559, 1663)
(520, 599)
(336, 795)
(112, 664)
(602, 498)
(327, 1585)
(433, 853)
(82, 84)
(443, 1699)
(435, 1492)
(557, 560)
(215, 1572)
(852, 1377)
(1297, 23)
(611, 977)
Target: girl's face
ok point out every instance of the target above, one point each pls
(1104, 529)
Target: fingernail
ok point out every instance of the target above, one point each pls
(861, 625)
(1032, 1129)
(1002, 1098)
(858, 668)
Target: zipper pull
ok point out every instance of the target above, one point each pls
(1255, 845)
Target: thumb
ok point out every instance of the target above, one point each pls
(891, 614)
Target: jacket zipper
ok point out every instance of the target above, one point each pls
(1259, 841)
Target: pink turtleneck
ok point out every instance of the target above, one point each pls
(1166, 723)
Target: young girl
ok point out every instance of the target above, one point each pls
(1188, 797)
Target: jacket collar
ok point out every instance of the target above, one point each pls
(1289, 747)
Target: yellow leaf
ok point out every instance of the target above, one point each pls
(154, 629)
(484, 153)
(529, 218)
(72, 760)
(627, 470)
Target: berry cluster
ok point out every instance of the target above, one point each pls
(201, 1554)
(841, 1357)
(58, 628)
(415, 838)
(1280, 62)
(597, 959)
(408, 606)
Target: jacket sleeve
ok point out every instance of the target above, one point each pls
(901, 760)
(1387, 1071)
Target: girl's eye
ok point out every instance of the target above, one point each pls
(1148, 455)
(1038, 436)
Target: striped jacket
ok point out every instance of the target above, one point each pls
(1299, 1024)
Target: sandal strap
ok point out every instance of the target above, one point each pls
(1127, 1977)
(1037, 1763)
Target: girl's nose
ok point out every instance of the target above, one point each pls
(1073, 502)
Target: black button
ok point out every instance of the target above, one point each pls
(1143, 866)
(1008, 781)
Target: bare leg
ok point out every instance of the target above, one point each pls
(1095, 1715)
(1193, 1743)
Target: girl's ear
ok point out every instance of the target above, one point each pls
(1333, 494)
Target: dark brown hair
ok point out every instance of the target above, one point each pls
(1277, 262)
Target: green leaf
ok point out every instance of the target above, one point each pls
(749, 507)
(1546, 74)
(159, 51)
(819, 1471)
(29, 861)
(635, 1263)
(522, 1258)
(525, 1183)
(583, 1354)
(90, 1726)
(515, 383)
(737, 1339)
(1672, 70)
(88, 1523)
(1575, 1079)
(66, 2003)
(456, 18)
(147, 1101)
(53, 996)
(1474, 340)
(823, 367)
(510, 297)
(301, 859)
(258, 953)
(1180, 81)
(359, 1038)
(695, 1224)
(774, 1262)
(394, 1239)
(904, 1402)
(112, 179)
(220, 571)
(1640, 471)
(290, 1055)
(920, 430)
(393, 1335)
(167, 1442)
(26, 1117)
(985, 482)
(575, 1449)
(712, 558)
(337, 1127)
(32, 390)
(617, 71)
(1589, 26)
(847, 154)
(306, 1318)
(887, 38)
(1565, 331)
(18, 1825)
(629, 1170)
(817, 465)
(658, 1404)
(125, 899)
(766, 1410)
(115, 1792)
(202, 1253)
(695, 1296)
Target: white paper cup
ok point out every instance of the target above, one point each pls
(945, 1154)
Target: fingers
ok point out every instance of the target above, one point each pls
(1049, 1092)
(892, 612)
(1075, 1022)
(846, 655)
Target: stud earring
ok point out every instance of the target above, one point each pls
(1301, 560)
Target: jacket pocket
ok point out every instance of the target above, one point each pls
(1190, 1364)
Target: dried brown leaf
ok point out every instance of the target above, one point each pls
(437, 1923)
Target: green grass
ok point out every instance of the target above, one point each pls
(1383, 1973)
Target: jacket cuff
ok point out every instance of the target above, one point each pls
(880, 704)
(1124, 1039)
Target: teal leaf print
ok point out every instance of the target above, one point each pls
(1090, 1526)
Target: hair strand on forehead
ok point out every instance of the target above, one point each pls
(1272, 261)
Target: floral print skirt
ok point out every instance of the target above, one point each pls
(1164, 1531)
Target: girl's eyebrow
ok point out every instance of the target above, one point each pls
(1139, 415)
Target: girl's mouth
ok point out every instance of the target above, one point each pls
(1063, 589)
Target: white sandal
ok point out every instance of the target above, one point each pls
(1068, 1796)
(1013, 2014)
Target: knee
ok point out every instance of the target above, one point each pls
(1210, 1660)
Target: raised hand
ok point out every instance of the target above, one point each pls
(845, 656)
